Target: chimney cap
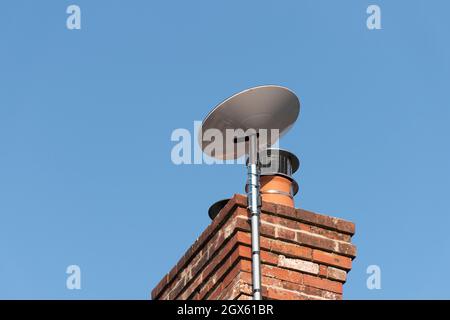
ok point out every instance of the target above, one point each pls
(214, 210)
(283, 155)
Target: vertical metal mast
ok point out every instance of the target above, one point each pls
(259, 108)
(254, 206)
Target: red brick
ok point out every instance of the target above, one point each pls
(347, 249)
(245, 252)
(321, 283)
(326, 221)
(281, 294)
(189, 290)
(288, 249)
(230, 276)
(282, 274)
(246, 265)
(267, 230)
(269, 258)
(311, 240)
(282, 233)
(336, 274)
(329, 233)
(280, 221)
(243, 237)
(332, 259)
(323, 271)
(266, 257)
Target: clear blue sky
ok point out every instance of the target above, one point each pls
(86, 117)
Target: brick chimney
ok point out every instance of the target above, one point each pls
(304, 255)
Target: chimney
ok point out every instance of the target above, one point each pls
(260, 246)
(304, 255)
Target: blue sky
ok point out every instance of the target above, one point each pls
(86, 117)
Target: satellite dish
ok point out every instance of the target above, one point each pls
(260, 109)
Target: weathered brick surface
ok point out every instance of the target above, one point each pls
(304, 256)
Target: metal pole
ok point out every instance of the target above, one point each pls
(254, 206)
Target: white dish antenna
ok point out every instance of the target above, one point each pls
(264, 109)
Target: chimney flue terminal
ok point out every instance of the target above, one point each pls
(277, 184)
(276, 176)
